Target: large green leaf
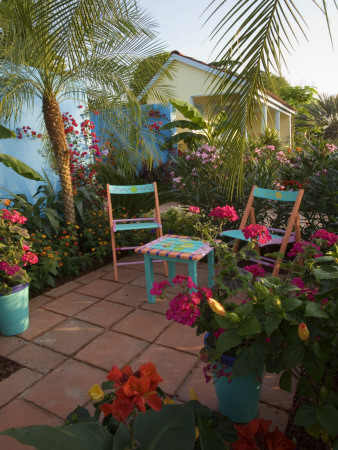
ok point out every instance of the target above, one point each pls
(293, 354)
(5, 133)
(314, 310)
(227, 340)
(306, 415)
(190, 112)
(82, 436)
(181, 124)
(209, 438)
(327, 416)
(184, 136)
(285, 381)
(272, 322)
(20, 167)
(326, 273)
(249, 327)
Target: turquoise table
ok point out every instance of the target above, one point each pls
(173, 248)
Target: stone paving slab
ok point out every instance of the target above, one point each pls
(79, 330)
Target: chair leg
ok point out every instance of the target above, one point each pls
(165, 264)
(114, 256)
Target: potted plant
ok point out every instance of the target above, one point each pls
(15, 255)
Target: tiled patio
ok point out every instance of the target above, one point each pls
(79, 330)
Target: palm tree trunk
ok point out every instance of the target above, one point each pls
(54, 124)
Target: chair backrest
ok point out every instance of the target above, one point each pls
(269, 194)
(135, 189)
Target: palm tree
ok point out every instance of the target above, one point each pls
(53, 49)
(322, 113)
(251, 38)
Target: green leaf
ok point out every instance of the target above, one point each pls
(305, 388)
(314, 310)
(5, 133)
(184, 136)
(209, 438)
(290, 303)
(327, 416)
(106, 385)
(272, 322)
(82, 436)
(321, 350)
(189, 111)
(306, 415)
(293, 354)
(20, 167)
(326, 273)
(171, 428)
(249, 327)
(181, 124)
(249, 360)
(227, 340)
(285, 381)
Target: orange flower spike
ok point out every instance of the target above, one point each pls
(303, 332)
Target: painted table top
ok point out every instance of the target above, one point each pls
(173, 246)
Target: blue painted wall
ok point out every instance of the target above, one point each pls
(27, 150)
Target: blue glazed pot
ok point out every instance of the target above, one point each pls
(14, 311)
(238, 397)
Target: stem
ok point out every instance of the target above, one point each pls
(296, 375)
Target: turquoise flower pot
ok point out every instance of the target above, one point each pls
(238, 398)
(14, 311)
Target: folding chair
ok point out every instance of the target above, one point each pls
(132, 224)
(282, 237)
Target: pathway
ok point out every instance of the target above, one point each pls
(79, 330)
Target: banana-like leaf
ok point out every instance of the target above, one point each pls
(185, 136)
(81, 436)
(5, 133)
(190, 112)
(181, 124)
(20, 167)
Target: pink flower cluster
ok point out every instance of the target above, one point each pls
(310, 292)
(330, 238)
(157, 288)
(13, 216)
(257, 233)
(10, 270)
(224, 212)
(299, 247)
(255, 269)
(29, 257)
(184, 308)
(194, 209)
(205, 153)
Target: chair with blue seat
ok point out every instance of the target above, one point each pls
(140, 223)
(279, 237)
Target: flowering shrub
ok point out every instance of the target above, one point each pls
(257, 233)
(224, 212)
(255, 269)
(15, 254)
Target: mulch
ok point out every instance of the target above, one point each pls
(8, 367)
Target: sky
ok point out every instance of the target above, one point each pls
(313, 62)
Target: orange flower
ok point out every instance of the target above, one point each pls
(7, 202)
(216, 307)
(119, 376)
(149, 370)
(303, 332)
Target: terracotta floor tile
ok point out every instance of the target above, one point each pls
(91, 276)
(99, 288)
(61, 290)
(71, 303)
(160, 306)
(20, 413)
(104, 313)
(205, 391)
(38, 358)
(278, 416)
(108, 267)
(129, 295)
(125, 275)
(38, 301)
(181, 337)
(274, 396)
(111, 348)
(69, 336)
(142, 324)
(14, 385)
(8, 344)
(65, 387)
(141, 280)
(40, 321)
(172, 365)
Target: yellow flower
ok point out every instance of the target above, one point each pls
(168, 401)
(216, 307)
(193, 395)
(96, 393)
(93, 249)
(65, 253)
(43, 236)
(303, 332)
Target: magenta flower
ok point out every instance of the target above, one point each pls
(330, 238)
(299, 247)
(255, 269)
(157, 288)
(224, 212)
(184, 309)
(194, 209)
(30, 257)
(257, 233)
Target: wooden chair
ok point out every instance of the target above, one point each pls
(139, 223)
(282, 237)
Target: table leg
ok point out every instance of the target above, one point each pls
(149, 270)
(172, 270)
(211, 268)
(193, 273)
